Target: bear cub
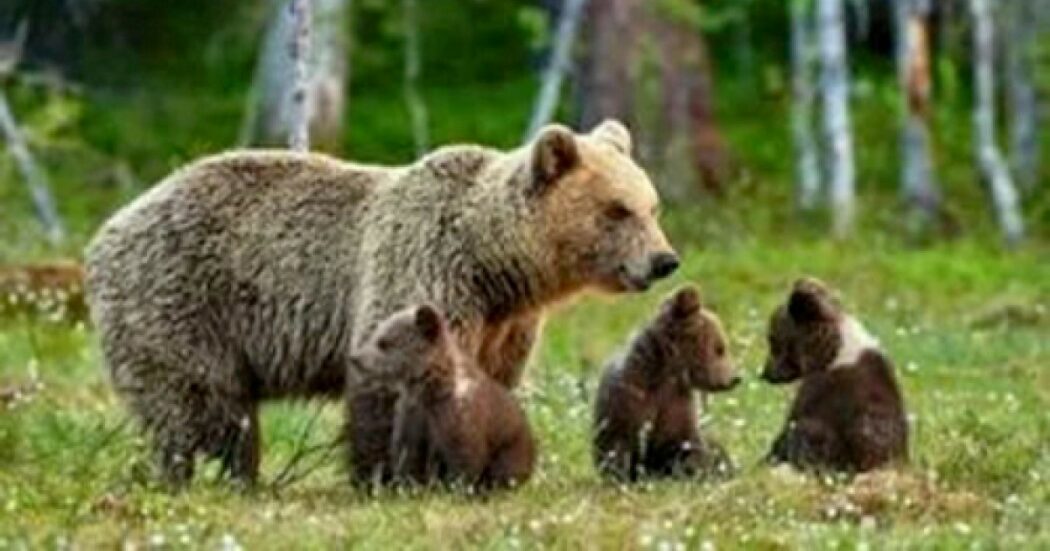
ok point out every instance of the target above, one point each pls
(454, 423)
(645, 421)
(848, 414)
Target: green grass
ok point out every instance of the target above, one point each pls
(967, 324)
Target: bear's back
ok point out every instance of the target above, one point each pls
(251, 251)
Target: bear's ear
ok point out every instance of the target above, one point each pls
(811, 301)
(554, 153)
(429, 322)
(614, 133)
(686, 302)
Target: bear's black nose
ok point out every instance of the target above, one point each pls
(663, 265)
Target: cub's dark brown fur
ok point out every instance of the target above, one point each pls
(454, 423)
(848, 414)
(646, 413)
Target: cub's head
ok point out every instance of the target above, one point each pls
(810, 333)
(596, 210)
(695, 344)
(411, 345)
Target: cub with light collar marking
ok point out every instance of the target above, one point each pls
(646, 414)
(848, 414)
(454, 423)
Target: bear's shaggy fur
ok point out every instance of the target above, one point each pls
(455, 424)
(848, 414)
(646, 412)
(252, 275)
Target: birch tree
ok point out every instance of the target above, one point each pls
(993, 169)
(918, 179)
(299, 116)
(1020, 77)
(547, 101)
(271, 104)
(417, 109)
(34, 176)
(834, 82)
(803, 96)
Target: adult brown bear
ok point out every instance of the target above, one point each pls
(253, 275)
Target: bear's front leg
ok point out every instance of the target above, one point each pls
(676, 447)
(506, 346)
(369, 432)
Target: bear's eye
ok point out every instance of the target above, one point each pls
(617, 211)
(384, 344)
(720, 349)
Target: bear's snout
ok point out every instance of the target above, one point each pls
(662, 265)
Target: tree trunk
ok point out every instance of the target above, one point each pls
(417, 109)
(918, 180)
(835, 93)
(606, 84)
(709, 150)
(1024, 108)
(271, 109)
(687, 112)
(35, 179)
(807, 161)
(299, 117)
(547, 101)
(993, 168)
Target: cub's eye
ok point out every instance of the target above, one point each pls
(617, 211)
(385, 344)
(720, 350)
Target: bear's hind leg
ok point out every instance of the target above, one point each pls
(239, 451)
(193, 419)
(808, 444)
(512, 465)
(175, 462)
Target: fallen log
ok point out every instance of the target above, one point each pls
(54, 292)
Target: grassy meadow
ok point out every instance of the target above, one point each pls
(967, 324)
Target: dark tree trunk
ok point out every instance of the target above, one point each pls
(605, 77)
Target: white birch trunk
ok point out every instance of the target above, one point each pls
(35, 179)
(299, 49)
(547, 101)
(835, 94)
(807, 162)
(993, 168)
(918, 180)
(1020, 77)
(417, 109)
(270, 114)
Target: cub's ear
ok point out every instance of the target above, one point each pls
(429, 322)
(685, 302)
(554, 153)
(614, 133)
(811, 301)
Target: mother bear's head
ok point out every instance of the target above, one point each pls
(595, 210)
